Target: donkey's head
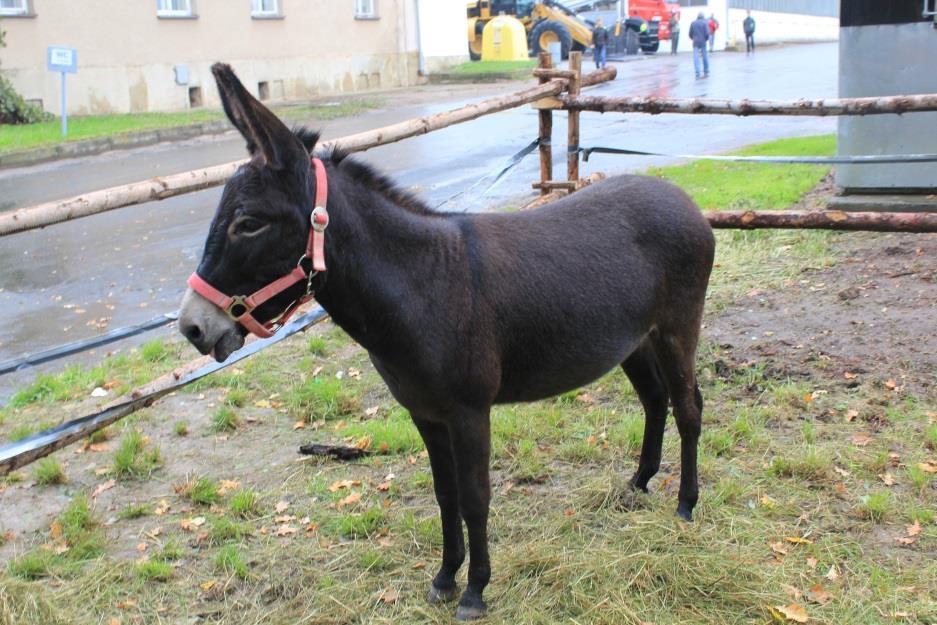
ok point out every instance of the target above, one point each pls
(260, 227)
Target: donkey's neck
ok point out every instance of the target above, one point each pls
(379, 255)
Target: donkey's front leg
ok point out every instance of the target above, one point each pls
(470, 434)
(436, 438)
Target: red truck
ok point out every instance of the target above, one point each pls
(654, 11)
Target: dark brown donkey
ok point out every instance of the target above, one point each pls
(462, 311)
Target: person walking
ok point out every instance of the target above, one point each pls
(748, 25)
(713, 26)
(674, 31)
(600, 41)
(699, 35)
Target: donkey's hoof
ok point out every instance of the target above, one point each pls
(635, 485)
(470, 612)
(685, 512)
(441, 595)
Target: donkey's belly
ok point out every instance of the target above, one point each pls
(537, 374)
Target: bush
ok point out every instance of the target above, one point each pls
(13, 108)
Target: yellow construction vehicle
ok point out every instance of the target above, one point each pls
(546, 22)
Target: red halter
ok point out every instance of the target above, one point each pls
(240, 307)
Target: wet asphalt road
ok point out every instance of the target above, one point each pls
(70, 280)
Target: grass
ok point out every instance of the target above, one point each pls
(134, 458)
(224, 420)
(49, 471)
(244, 503)
(229, 561)
(135, 511)
(154, 571)
(203, 492)
(81, 127)
(479, 68)
(570, 542)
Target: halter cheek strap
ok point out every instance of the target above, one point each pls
(240, 307)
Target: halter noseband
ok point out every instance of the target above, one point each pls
(240, 307)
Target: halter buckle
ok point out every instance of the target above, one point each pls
(319, 219)
(237, 301)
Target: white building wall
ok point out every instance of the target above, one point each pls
(443, 39)
(781, 28)
(769, 27)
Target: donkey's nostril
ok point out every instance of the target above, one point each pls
(192, 332)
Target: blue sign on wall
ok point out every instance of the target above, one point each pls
(61, 59)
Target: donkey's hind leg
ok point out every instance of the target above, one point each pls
(676, 353)
(645, 375)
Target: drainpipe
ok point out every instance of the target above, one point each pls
(421, 68)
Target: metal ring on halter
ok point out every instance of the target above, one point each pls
(312, 274)
(314, 219)
(237, 300)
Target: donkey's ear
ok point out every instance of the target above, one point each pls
(267, 137)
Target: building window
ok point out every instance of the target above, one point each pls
(174, 8)
(366, 9)
(265, 8)
(14, 7)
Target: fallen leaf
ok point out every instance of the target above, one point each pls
(385, 541)
(390, 596)
(888, 479)
(340, 484)
(418, 565)
(372, 411)
(99, 447)
(808, 398)
(793, 591)
(907, 540)
(778, 548)
(841, 471)
(914, 530)
(285, 518)
(281, 506)
(207, 585)
(766, 502)
(849, 375)
(350, 499)
(861, 439)
(851, 415)
(126, 604)
(383, 487)
(161, 508)
(141, 547)
(153, 533)
(832, 574)
(299, 425)
(103, 487)
(102, 471)
(285, 530)
(817, 594)
(793, 612)
(363, 443)
(890, 385)
(262, 403)
(189, 525)
(928, 467)
(354, 373)
(227, 485)
(894, 459)
(812, 563)
(113, 621)
(797, 540)
(901, 614)
(55, 530)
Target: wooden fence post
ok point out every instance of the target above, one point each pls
(546, 131)
(572, 135)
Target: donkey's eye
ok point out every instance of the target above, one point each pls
(249, 226)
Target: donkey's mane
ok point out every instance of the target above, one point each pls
(364, 174)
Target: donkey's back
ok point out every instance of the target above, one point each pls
(575, 287)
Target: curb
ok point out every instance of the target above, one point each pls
(123, 141)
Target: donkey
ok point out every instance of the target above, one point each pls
(462, 311)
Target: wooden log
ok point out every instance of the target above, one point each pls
(543, 72)
(546, 131)
(572, 126)
(887, 105)
(164, 187)
(825, 220)
(598, 76)
(544, 199)
(569, 185)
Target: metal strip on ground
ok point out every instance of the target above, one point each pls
(61, 351)
(22, 452)
(812, 160)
